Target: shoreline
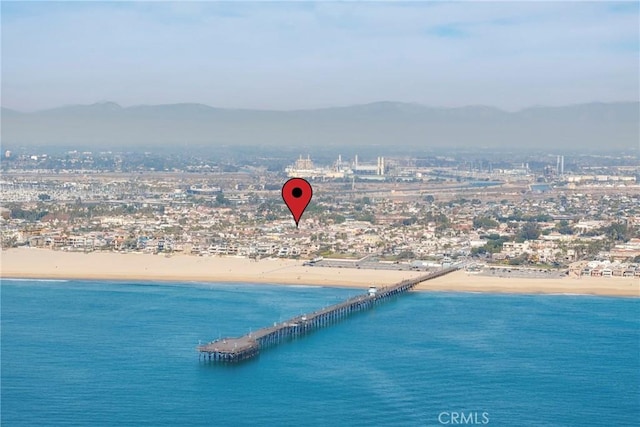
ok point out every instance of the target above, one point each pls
(461, 281)
(45, 264)
(29, 263)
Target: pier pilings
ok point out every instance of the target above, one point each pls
(233, 350)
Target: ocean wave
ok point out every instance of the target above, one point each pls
(572, 294)
(303, 286)
(33, 280)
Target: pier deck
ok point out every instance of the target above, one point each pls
(247, 346)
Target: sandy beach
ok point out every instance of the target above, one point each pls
(44, 263)
(462, 281)
(48, 264)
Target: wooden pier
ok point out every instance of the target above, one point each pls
(248, 346)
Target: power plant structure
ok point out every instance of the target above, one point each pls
(304, 168)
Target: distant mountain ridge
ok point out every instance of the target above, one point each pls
(613, 125)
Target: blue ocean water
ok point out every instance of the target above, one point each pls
(115, 353)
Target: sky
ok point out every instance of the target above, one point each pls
(300, 55)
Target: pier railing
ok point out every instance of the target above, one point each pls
(248, 346)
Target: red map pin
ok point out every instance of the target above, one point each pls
(296, 194)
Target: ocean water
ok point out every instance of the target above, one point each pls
(114, 353)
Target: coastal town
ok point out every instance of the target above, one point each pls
(388, 213)
(319, 213)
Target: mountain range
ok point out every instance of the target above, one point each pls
(393, 124)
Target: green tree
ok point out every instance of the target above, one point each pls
(221, 200)
(337, 218)
(529, 231)
(367, 217)
(594, 247)
(618, 231)
(484, 222)
(406, 255)
(563, 227)
(494, 246)
(518, 260)
(479, 251)
(409, 221)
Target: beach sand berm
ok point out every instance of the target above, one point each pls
(49, 264)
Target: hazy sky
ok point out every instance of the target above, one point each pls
(288, 55)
